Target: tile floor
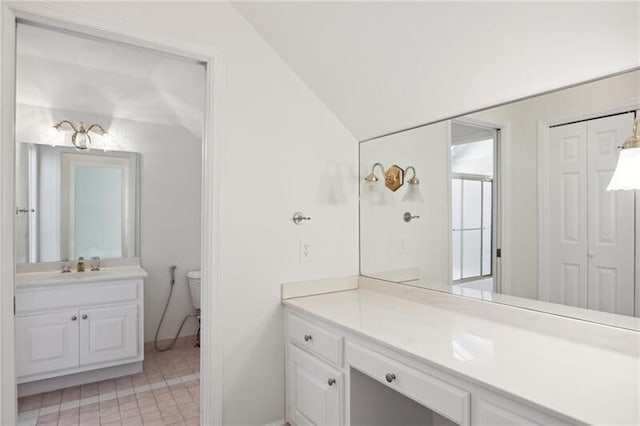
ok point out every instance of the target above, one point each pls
(166, 393)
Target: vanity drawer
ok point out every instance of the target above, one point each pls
(443, 398)
(316, 339)
(58, 296)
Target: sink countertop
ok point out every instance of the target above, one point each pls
(28, 279)
(583, 371)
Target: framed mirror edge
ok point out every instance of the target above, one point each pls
(620, 321)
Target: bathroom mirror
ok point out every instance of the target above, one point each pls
(510, 204)
(73, 203)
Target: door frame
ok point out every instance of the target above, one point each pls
(542, 169)
(501, 269)
(59, 17)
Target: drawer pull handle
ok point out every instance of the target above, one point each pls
(390, 377)
(84, 316)
(331, 382)
(73, 318)
(307, 338)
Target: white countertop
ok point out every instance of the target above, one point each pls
(28, 279)
(587, 372)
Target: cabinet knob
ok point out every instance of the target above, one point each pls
(73, 318)
(331, 382)
(390, 377)
(84, 316)
(307, 338)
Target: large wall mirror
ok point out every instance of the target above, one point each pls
(73, 203)
(510, 204)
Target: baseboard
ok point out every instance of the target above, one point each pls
(282, 422)
(76, 379)
(182, 342)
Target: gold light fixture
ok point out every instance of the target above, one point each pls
(81, 138)
(627, 173)
(394, 180)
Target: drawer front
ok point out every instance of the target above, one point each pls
(60, 296)
(443, 398)
(316, 339)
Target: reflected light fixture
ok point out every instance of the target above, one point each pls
(371, 177)
(413, 194)
(81, 138)
(627, 173)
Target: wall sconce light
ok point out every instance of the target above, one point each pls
(413, 194)
(627, 174)
(394, 180)
(80, 138)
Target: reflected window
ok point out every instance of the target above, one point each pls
(472, 170)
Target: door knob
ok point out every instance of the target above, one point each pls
(73, 318)
(307, 338)
(84, 316)
(331, 381)
(390, 377)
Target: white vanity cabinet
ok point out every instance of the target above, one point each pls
(72, 327)
(321, 357)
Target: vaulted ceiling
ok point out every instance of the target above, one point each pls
(64, 71)
(384, 66)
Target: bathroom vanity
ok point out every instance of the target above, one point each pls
(383, 353)
(78, 327)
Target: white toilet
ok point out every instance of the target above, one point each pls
(194, 288)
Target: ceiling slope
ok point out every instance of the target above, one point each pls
(385, 66)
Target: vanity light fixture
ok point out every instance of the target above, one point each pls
(627, 173)
(371, 177)
(413, 194)
(80, 138)
(393, 176)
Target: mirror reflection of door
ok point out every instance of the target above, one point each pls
(473, 171)
(590, 231)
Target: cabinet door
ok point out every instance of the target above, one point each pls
(46, 342)
(315, 391)
(108, 334)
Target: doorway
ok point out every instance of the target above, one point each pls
(66, 21)
(473, 206)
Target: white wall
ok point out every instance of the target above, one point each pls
(169, 204)
(390, 247)
(594, 99)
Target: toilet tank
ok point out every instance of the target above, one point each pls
(194, 287)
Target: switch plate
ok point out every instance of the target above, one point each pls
(305, 251)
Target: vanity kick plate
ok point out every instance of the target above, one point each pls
(447, 400)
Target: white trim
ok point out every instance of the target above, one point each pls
(63, 17)
(502, 181)
(543, 211)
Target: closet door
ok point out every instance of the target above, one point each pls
(611, 223)
(568, 214)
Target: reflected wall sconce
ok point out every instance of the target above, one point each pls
(627, 173)
(81, 138)
(394, 180)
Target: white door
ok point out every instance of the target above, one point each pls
(108, 334)
(567, 278)
(46, 343)
(611, 248)
(314, 390)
